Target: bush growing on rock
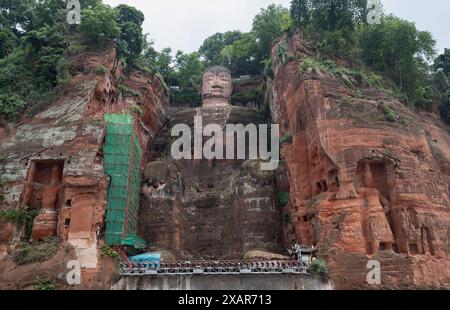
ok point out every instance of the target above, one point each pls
(319, 268)
(44, 284)
(37, 252)
(99, 25)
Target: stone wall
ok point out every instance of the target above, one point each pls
(362, 185)
(53, 162)
(218, 209)
(224, 283)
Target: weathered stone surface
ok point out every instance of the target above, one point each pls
(211, 209)
(362, 187)
(53, 163)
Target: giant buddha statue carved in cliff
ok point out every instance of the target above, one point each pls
(216, 87)
(211, 209)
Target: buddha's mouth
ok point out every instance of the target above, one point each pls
(217, 90)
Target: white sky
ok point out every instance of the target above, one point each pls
(184, 24)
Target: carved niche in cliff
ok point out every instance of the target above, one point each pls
(42, 192)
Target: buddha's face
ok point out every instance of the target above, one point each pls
(216, 84)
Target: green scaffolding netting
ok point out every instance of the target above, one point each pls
(123, 155)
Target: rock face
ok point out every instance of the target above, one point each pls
(211, 209)
(53, 163)
(362, 186)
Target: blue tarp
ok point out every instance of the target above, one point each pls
(153, 259)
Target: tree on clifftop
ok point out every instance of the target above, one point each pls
(269, 25)
(329, 15)
(99, 25)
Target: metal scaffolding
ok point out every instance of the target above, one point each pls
(123, 155)
(218, 268)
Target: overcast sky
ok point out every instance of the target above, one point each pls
(184, 24)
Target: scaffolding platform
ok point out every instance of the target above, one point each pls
(217, 268)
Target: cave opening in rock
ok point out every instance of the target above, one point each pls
(42, 194)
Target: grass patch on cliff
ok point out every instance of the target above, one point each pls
(350, 77)
(44, 284)
(136, 109)
(101, 70)
(319, 268)
(284, 198)
(245, 97)
(126, 91)
(37, 252)
(107, 251)
(389, 114)
(20, 217)
(286, 139)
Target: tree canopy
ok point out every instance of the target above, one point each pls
(329, 15)
(35, 41)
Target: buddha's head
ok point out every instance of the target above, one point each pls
(217, 84)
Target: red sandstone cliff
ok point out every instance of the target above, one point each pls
(362, 186)
(53, 163)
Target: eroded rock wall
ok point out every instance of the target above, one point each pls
(53, 162)
(362, 186)
(210, 209)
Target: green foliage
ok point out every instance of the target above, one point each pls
(106, 251)
(37, 252)
(301, 12)
(212, 47)
(161, 78)
(246, 97)
(101, 70)
(129, 14)
(284, 198)
(18, 216)
(18, 15)
(36, 67)
(269, 25)
(187, 74)
(389, 114)
(2, 184)
(282, 52)
(99, 25)
(189, 97)
(44, 284)
(11, 105)
(445, 106)
(243, 53)
(287, 218)
(286, 139)
(350, 77)
(8, 41)
(241, 57)
(131, 40)
(336, 44)
(329, 15)
(395, 49)
(399, 51)
(126, 91)
(136, 109)
(441, 85)
(346, 102)
(268, 68)
(442, 63)
(318, 268)
(424, 97)
(188, 71)
(162, 62)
